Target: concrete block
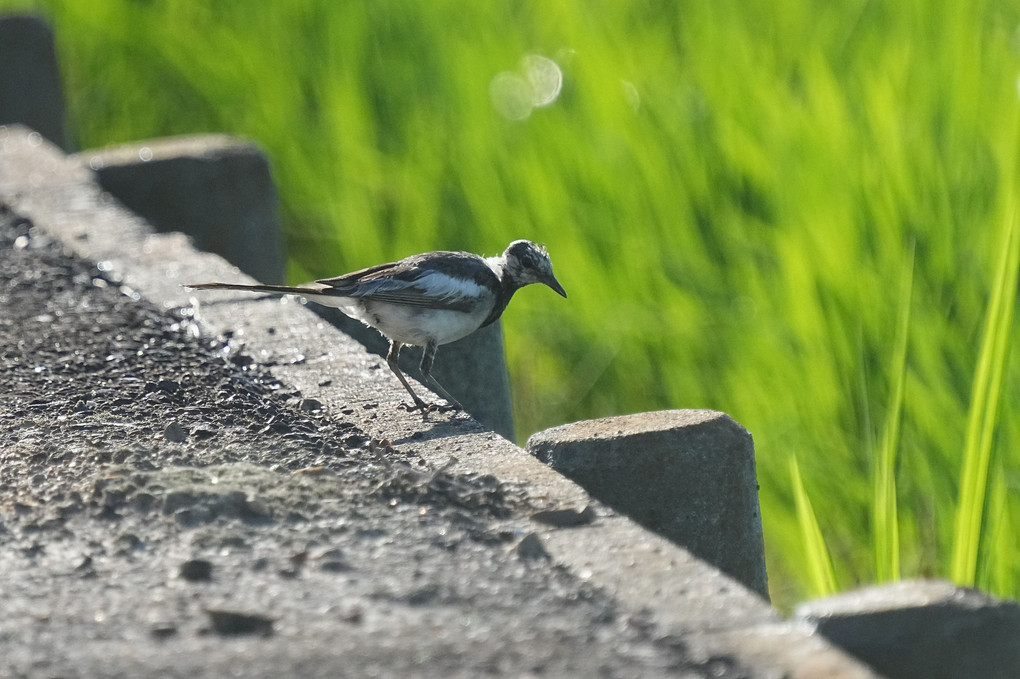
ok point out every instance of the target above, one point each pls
(215, 188)
(688, 475)
(922, 630)
(30, 89)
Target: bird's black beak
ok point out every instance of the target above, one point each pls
(555, 285)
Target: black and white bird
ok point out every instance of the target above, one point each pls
(426, 300)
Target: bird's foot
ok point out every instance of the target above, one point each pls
(427, 408)
(441, 408)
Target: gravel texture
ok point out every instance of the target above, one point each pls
(167, 508)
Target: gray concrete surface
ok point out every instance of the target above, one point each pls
(922, 630)
(30, 89)
(696, 620)
(688, 475)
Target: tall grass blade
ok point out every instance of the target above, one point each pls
(885, 517)
(1001, 575)
(984, 407)
(819, 564)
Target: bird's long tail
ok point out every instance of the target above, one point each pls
(273, 289)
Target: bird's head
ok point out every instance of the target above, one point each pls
(525, 262)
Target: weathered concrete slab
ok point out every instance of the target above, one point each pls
(30, 88)
(718, 627)
(923, 629)
(688, 475)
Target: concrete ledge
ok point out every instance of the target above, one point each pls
(721, 623)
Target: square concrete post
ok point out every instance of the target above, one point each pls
(922, 629)
(30, 89)
(688, 475)
(216, 188)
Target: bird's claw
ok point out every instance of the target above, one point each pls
(426, 408)
(439, 408)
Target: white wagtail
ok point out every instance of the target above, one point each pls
(426, 300)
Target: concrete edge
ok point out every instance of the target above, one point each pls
(715, 615)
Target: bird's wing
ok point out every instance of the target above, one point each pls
(454, 281)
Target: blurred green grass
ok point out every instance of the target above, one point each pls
(729, 191)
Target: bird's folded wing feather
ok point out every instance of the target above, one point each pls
(413, 282)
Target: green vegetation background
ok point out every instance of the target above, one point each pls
(795, 211)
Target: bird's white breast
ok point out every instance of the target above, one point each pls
(418, 326)
(416, 322)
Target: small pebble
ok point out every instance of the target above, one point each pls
(163, 630)
(530, 547)
(232, 623)
(196, 570)
(565, 518)
(175, 433)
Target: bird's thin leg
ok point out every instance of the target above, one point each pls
(391, 360)
(427, 357)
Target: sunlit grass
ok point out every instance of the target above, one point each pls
(729, 191)
(884, 504)
(982, 421)
(817, 563)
